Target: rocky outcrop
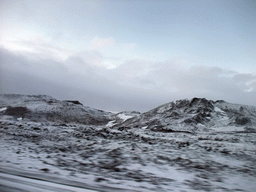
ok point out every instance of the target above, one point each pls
(242, 120)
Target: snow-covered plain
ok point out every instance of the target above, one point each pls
(217, 153)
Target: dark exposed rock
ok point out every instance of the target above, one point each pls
(161, 128)
(182, 103)
(219, 101)
(155, 122)
(242, 120)
(190, 121)
(17, 111)
(174, 115)
(45, 170)
(122, 128)
(74, 102)
(199, 118)
(202, 104)
(99, 179)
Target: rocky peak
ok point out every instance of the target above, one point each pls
(73, 101)
(201, 102)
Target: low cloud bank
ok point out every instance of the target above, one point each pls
(134, 84)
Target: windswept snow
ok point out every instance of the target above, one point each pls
(217, 109)
(3, 109)
(229, 129)
(111, 123)
(19, 119)
(124, 117)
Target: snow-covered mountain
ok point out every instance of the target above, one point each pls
(42, 108)
(193, 115)
(182, 115)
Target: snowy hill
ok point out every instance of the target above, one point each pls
(193, 115)
(45, 108)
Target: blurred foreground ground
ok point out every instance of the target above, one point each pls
(75, 157)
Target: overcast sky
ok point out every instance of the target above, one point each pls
(129, 54)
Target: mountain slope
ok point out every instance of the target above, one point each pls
(46, 108)
(193, 115)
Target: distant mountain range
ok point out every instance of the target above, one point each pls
(197, 114)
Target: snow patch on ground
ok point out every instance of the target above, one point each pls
(217, 109)
(229, 128)
(124, 117)
(3, 109)
(110, 123)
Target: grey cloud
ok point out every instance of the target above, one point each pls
(93, 90)
(244, 78)
(135, 85)
(44, 68)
